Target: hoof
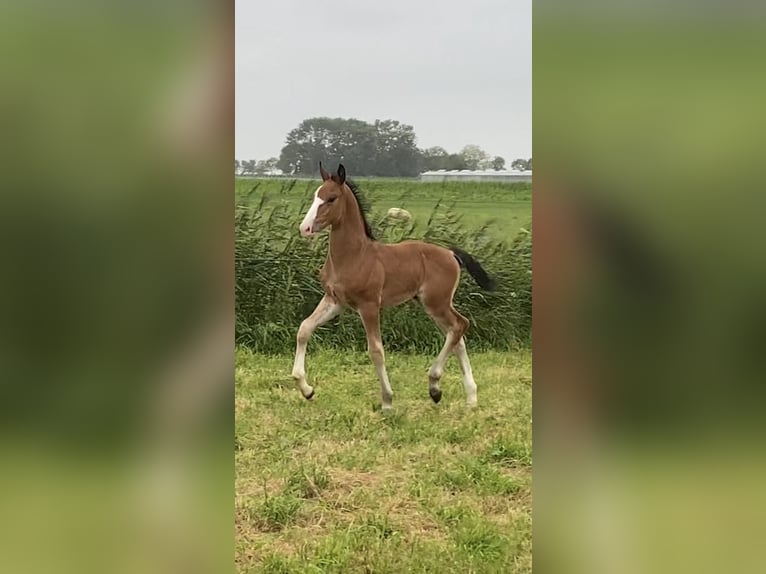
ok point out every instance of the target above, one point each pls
(310, 395)
(436, 394)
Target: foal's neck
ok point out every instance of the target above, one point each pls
(348, 238)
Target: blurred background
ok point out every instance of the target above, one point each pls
(649, 287)
(116, 296)
(116, 299)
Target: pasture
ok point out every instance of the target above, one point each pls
(504, 207)
(337, 486)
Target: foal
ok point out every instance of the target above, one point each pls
(365, 275)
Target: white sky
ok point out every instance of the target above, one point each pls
(458, 72)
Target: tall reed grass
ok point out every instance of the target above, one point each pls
(277, 283)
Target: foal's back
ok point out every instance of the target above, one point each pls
(416, 269)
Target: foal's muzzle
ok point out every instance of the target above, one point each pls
(307, 231)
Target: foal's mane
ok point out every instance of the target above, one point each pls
(364, 207)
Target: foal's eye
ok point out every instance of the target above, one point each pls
(330, 199)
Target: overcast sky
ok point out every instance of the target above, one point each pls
(458, 72)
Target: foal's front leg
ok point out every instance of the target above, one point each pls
(326, 310)
(371, 318)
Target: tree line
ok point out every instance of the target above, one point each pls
(385, 148)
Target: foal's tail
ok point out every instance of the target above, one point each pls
(474, 268)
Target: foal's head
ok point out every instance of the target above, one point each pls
(328, 206)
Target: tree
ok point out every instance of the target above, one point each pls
(435, 158)
(329, 140)
(529, 164)
(474, 156)
(519, 164)
(247, 167)
(265, 166)
(237, 167)
(385, 148)
(498, 163)
(456, 161)
(397, 154)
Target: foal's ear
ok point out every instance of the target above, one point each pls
(341, 174)
(323, 172)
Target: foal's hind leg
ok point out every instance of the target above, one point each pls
(371, 318)
(465, 367)
(326, 310)
(453, 324)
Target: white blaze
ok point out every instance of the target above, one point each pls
(308, 222)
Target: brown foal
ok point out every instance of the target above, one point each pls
(366, 275)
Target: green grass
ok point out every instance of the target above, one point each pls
(507, 207)
(336, 485)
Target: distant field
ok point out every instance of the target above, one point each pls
(505, 206)
(336, 486)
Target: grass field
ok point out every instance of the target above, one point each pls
(505, 206)
(337, 486)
